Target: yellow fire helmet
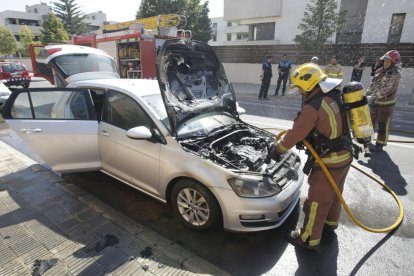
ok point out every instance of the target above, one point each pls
(308, 75)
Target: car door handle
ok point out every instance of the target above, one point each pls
(105, 133)
(30, 130)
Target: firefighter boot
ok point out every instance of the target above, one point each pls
(295, 239)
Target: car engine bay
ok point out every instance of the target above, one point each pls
(244, 148)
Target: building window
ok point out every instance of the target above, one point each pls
(214, 38)
(35, 10)
(215, 25)
(264, 31)
(93, 17)
(396, 27)
(228, 37)
(228, 24)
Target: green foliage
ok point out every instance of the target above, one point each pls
(71, 16)
(195, 12)
(26, 38)
(320, 22)
(8, 45)
(53, 31)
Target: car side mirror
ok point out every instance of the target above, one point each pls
(141, 133)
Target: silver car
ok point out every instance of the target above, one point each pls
(178, 139)
(4, 94)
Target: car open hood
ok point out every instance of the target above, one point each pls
(192, 81)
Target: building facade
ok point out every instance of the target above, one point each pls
(36, 15)
(228, 33)
(276, 21)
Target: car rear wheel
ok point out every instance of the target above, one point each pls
(195, 206)
(26, 85)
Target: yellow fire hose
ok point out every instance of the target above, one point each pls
(338, 193)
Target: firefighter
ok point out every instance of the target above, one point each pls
(315, 60)
(334, 69)
(323, 124)
(382, 94)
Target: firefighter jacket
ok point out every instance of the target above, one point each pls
(384, 86)
(334, 71)
(320, 112)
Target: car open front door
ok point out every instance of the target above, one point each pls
(58, 124)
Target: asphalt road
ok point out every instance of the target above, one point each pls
(350, 251)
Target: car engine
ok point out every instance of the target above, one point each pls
(241, 148)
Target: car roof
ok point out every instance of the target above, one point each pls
(139, 87)
(60, 50)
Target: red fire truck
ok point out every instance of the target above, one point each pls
(134, 44)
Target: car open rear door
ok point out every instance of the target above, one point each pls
(58, 124)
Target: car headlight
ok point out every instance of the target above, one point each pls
(4, 94)
(260, 186)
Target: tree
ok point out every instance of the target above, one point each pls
(26, 38)
(319, 23)
(195, 13)
(53, 31)
(8, 45)
(68, 11)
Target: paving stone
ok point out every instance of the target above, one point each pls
(72, 205)
(87, 215)
(6, 254)
(131, 268)
(25, 245)
(13, 268)
(65, 249)
(93, 268)
(111, 258)
(57, 214)
(38, 253)
(77, 264)
(58, 269)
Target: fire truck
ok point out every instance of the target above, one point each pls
(134, 44)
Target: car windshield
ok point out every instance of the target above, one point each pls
(81, 63)
(157, 105)
(12, 67)
(204, 124)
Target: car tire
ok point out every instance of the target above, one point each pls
(26, 85)
(195, 206)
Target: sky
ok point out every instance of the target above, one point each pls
(116, 10)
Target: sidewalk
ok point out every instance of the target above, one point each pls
(252, 90)
(51, 227)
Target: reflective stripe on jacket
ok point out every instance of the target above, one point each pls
(384, 86)
(322, 113)
(334, 71)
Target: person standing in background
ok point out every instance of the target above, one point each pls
(358, 69)
(375, 66)
(382, 94)
(265, 77)
(284, 71)
(334, 69)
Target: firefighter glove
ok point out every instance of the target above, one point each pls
(272, 154)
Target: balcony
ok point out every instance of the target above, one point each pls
(236, 10)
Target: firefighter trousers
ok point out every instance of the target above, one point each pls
(381, 116)
(322, 205)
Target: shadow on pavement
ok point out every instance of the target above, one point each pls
(42, 225)
(237, 253)
(382, 165)
(320, 262)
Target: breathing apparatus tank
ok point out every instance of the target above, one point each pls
(358, 112)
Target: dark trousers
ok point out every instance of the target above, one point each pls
(381, 117)
(264, 88)
(284, 78)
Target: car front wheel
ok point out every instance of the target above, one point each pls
(195, 206)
